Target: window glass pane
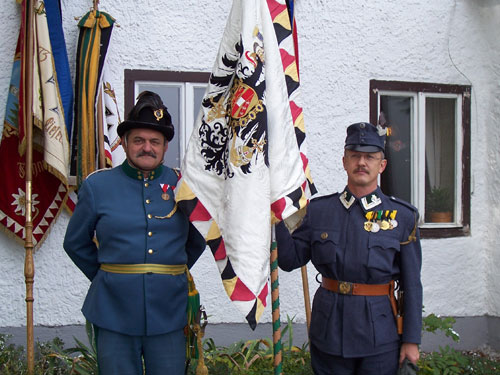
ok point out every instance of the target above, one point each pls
(170, 95)
(439, 159)
(198, 94)
(396, 115)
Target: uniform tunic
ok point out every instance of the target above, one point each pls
(334, 238)
(130, 221)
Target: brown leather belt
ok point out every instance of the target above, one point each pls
(344, 287)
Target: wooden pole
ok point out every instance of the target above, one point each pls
(275, 297)
(29, 265)
(307, 298)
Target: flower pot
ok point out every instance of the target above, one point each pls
(441, 217)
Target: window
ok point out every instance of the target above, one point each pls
(181, 93)
(428, 151)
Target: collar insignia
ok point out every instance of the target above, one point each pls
(158, 114)
(370, 201)
(347, 199)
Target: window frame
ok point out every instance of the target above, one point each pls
(164, 77)
(420, 90)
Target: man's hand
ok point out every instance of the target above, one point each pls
(410, 351)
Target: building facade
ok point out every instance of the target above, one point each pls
(429, 69)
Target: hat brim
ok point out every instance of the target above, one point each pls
(167, 131)
(364, 148)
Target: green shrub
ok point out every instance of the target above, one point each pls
(448, 361)
(253, 357)
(13, 358)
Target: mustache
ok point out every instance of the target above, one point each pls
(145, 153)
(361, 170)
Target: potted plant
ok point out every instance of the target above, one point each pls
(439, 205)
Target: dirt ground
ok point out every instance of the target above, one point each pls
(485, 351)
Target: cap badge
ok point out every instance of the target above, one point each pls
(381, 131)
(158, 114)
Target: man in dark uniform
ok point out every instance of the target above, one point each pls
(362, 242)
(127, 236)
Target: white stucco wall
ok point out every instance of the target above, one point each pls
(343, 44)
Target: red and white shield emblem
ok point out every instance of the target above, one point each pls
(244, 99)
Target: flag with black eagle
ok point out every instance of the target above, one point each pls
(246, 167)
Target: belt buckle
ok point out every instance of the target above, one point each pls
(345, 287)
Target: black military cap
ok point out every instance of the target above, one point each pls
(365, 137)
(148, 113)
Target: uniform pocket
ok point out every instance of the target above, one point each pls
(384, 325)
(324, 244)
(382, 254)
(321, 312)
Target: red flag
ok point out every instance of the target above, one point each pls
(50, 140)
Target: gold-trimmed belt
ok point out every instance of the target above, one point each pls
(164, 269)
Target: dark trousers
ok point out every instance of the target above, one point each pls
(120, 354)
(381, 364)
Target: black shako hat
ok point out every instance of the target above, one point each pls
(148, 113)
(365, 137)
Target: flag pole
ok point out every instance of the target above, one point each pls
(100, 130)
(29, 266)
(307, 298)
(275, 294)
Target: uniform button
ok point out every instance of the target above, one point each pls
(146, 184)
(149, 216)
(148, 201)
(150, 234)
(150, 251)
(324, 235)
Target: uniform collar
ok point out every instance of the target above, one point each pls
(136, 174)
(367, 202)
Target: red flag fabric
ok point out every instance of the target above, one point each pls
(50, 140)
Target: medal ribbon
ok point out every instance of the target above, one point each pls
(164, 187)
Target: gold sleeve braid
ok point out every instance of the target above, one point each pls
(413, 235)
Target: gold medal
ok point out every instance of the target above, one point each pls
(368, 226)
(384, 225)
(165, 196)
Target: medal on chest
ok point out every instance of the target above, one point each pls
(164, 189)
(380, 220)
(165, 196)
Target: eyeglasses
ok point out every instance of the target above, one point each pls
(368, 157)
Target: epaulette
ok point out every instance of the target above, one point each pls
(177, 171)
(324, 196)
(97, 170)
(404, 203)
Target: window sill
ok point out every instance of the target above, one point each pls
(444, 232)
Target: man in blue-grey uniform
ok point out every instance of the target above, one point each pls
(128, 237)
(365, 245)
